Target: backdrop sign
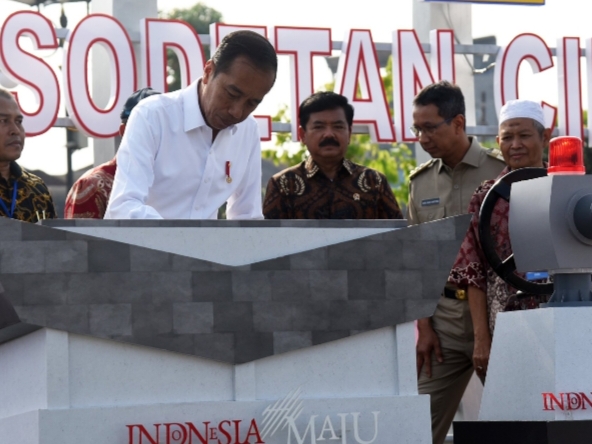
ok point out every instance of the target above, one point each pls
(358, 74)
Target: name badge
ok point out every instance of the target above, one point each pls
(430, 202)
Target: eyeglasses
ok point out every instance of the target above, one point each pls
(428, 130)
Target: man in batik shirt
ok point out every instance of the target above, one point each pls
(327, 185)
(23, 195)
(522, 137)
(89, 196)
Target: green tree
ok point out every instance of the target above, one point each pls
(199, 16)
(394, 160)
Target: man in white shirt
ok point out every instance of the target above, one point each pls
(185, 153)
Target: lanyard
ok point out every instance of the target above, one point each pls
(13, 203)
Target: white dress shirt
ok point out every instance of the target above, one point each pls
(169, 168)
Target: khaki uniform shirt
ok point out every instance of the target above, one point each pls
(437, 191)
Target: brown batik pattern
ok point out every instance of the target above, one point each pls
(304, 192)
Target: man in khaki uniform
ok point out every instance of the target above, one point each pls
(442, 187)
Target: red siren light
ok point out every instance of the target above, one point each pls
(566, 156)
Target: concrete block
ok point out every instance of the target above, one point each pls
(110, 288)
(420, 255)
(46, 289)
(66, 256)
(152, 319)
(10, 229)
(193, 317)
(22, 257)
(212, 286)
(14, 288)
(31, 232)
(383, 254)
(328, 285)
(316, 259)
(233, 317)
(169, 287)
(177, 343)
(419, 309)
(280, 263)
(404, 284)
(110, 319)
(272, 316)
(346, 256)
(310, 316)
(386, 313)
(184, 263)
(252, 346)
(366, 284)
(433, 283)
(251, 286)
(145, 259)
(448, 250)
(290, 285)
(285, 341)
(108, 256)
(70, 318)
(349, 315)
(36, 315)
(217, 346)
(443, 229)
(321, 337)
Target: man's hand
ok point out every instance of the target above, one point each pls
(478, 306)
(426, 342)
(481, 355)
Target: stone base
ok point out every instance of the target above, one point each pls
(539, 368)
(522, 432)
(63, 388)
(297, 420)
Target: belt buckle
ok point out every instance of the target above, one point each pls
(460, 295)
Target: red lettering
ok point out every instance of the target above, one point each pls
(142, 432)
(585, 400)
(253, 430)
(545, 405)
(179, 435)
(574, 402)
(560, 404)
(237, 433)
(202, 438)
(224, 432)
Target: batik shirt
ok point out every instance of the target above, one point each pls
(32, 201)
(471, 267)
(89, 196)
(304, 192)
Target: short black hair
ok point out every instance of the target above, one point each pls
(245, 43)
(133, 100)
(322, 101)
(448, 98)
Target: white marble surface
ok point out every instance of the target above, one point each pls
(79, 389)
(238, 246)
(548, 350)
(23, 366)
(404, 420)
(104, 373)
(361, 365)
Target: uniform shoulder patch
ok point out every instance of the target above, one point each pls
(423, 167)
(495, 153)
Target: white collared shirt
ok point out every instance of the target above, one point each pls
(169, 168)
